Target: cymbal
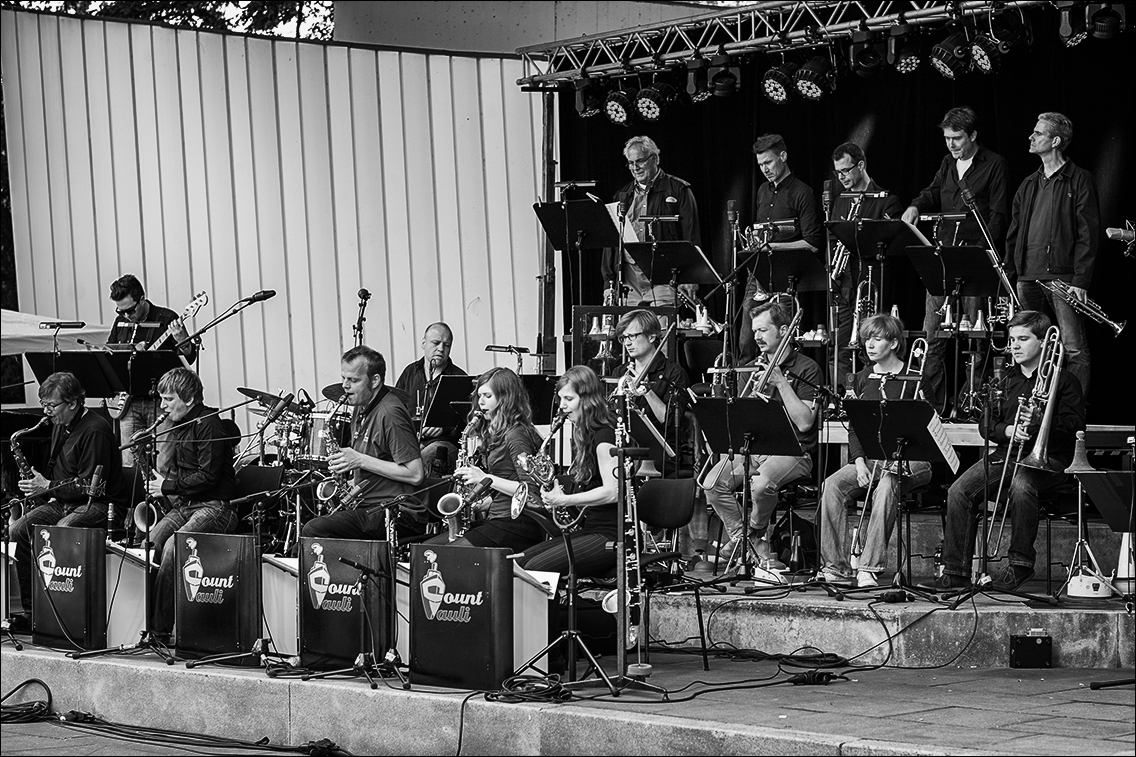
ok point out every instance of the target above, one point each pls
(333, 392)
(268, 400)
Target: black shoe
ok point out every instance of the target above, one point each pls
(20, 624)
(1011, 577)
(946, 582)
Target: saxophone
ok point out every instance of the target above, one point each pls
(16, 505)
(452, 504)
(539, 467)
(334, 488)
(150, 510)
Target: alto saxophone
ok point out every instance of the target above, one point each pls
(335, 486)
(540, 468)
(452, 504)
(16, 505)
(150, 510)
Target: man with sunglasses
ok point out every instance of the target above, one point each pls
(652, 192)
(140, 322)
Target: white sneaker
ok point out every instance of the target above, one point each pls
(828, 575)
(866, 579)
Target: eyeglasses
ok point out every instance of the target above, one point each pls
(52, 406)
(626, 338)
(128, 311)
(842, 172)
(641, 163)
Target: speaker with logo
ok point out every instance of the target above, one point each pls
(461, 616)
(69, 587)
(217, 595)
(342, 612)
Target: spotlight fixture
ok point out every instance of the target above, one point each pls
(951, 56)
(814, 79)
(866, 55)
(619, 108)
(698, 80)
(589, 97)
(778, 83)
(1072, 29)
(652, 101)
(724, 83)
(904, 52)
(1106, 20)
(990, 46)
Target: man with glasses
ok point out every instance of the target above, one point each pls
(139, 321)
(419, 381)
(652, 192)
(81, 441)
(851, 168)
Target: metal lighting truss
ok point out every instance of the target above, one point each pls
(767, 27)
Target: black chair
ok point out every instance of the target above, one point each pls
(698, 358)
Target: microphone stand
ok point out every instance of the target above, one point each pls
(153, 435)
(357, 329)
(229, 313)
(991, 251)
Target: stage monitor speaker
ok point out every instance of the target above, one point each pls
(216, 595)
(69, 587)
(461, 616)
(342, 612)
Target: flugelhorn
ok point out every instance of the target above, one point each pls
(1087, 307)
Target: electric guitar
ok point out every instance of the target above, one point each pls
(119, 403)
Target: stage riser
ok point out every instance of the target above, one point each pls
(1081, 638)
(249, 705)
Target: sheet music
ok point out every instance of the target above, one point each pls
(939, 434)
(922, 239)
(629, 234)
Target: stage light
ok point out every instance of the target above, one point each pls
(1106, 20)
(990, 46)
(619, 108)
(724, 83)
(698, 80)
(904, 51)
(951, 56)
(814, 79)
(589, 97)
(778, 83)
(652, 101)
(1072, 29)
(866, 54)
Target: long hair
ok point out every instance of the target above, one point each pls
(513, 406)
(594, 415)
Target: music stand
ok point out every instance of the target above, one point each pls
(451, 389)
(577, 225)
(877, 239)
(673, 263)
(955, 271)
(747, 426)
(139, 371)
(792, 271)
(900, 431)
(98, 376)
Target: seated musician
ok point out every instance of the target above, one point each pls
(593, 484)
(81, 441)
(419, 381)
(883, 340)
(655, 386)
(384, 459)
(193, 481)
(792, 383)
(1027, 332)
(498, 438)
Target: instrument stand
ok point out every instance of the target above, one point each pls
(1081, 576)
(6, 586)
(364, 667)
(259, 648)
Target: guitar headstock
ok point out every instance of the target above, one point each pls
(198, 302)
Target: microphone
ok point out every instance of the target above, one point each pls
(242, 501)
(632, 451)
(776, 226)
(93, 346)
(62, 324)
(732, 211)
(365, 569)
(96, 480)
(622, 209)
(1121, 235)
(260, 296)
(279, 408)
(826, 195)
(363, 294)
(479, 490)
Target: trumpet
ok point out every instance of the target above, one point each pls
(841, 255)
(865, 304)
(1087, 307)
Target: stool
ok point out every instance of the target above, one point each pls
(789, 494)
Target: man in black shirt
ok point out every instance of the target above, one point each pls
(419, 381)
(984, 173)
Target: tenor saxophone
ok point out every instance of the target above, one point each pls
(452, 504)
(150, 510)
(15, 506)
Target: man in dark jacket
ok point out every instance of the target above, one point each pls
(651, 193)
(1053, 236)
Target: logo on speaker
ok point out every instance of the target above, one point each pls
(434, 595)
(193, 578)
(46, 559)
(319, 577)
(50, 569)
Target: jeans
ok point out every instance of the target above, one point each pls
(841, 488)
(142, 412)
(53, 513)
(934, 363)
(212, 517)
(768, 473)
(967, 494)
(1036, 297)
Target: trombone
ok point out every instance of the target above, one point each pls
(1044, 393)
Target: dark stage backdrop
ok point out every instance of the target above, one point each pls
(894, 118)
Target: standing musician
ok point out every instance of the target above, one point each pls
(984, 173)
(1027, 332)
(384, 457)
(851, 168)
(593, 484)
(506, 432)
(1054, 232)
(793, 380)
(654, 385)
(883, 340)
(783, 197)
(420, 381)
(652, 192)
(81, 441)
(132, 308)
(193, 478)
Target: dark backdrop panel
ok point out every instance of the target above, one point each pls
(894, 117)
